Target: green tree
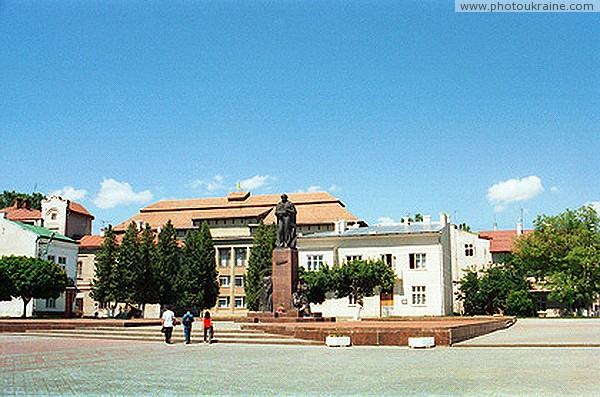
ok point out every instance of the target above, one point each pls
(128, 262)
(198, 285)
(7, 199)
(520, 303)
(144, 281)
(261, 259)
(105, 285)
(168, 264)
(319, 283)
(360, 278)
(563, 253)
(7, 288)
(487, 291)
(34, 278)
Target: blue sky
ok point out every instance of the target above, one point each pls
(394, 107)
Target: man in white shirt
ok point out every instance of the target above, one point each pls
(168, 321)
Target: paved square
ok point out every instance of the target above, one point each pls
(36, 366)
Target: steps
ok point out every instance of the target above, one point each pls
(225, 332)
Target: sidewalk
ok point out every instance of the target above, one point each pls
(34, 366)
(542, 332)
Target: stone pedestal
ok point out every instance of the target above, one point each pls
(285, 277)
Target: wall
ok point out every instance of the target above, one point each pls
(400, 246)
(69, 251)
(15, 240)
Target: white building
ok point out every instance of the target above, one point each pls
(21, 239)
(428, 258)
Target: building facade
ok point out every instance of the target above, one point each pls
(427, 257)
(233, 221)
(22, 239)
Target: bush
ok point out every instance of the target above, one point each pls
(520, 303)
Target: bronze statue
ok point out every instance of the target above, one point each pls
(300, 300)
(265, 300)
(286, 223)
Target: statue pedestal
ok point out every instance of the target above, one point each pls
(285, 277)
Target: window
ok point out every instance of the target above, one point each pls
(224, 257)
(418, 295)
(62, 260)
(239, 281)
(469, 250)
(50, 303)
(79, 269)
(224, 302)
(240, 256)
(350, 258)
(52, 258)
(388, 259)
(225, 281)
(314, 262)
(417, 261)
(239, 302)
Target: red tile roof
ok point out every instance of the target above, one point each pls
(15, 213)
(501, 240)
(313, 208)
(76, 207)
(91, 242)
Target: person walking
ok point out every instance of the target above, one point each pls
(168, 321)
(208, 328)
(187, 320)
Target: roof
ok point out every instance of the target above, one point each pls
(312, 208)
(45, 232)
(501, 240)
(383, 230)
(21, 213)
(80, 209)
(91, 242)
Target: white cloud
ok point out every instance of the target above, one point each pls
(195, 184)
(514, 190)
(313, 188)
(554, 189)
(255, 182)
(334, 188)
(70, 193)
(113, 193)
(386, 220)
(595, 204)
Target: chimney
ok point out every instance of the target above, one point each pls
(519, 228)
(340, 226)
(444, 219)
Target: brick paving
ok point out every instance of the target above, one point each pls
(36, 366)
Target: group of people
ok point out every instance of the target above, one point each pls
(169, 321)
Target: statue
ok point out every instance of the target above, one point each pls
(286, 223)
(265, 300)
(300, 300)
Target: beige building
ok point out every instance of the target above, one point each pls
(233, 221)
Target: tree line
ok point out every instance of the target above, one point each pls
(562, 255)
(145, 268)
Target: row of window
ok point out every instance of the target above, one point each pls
(224, 302)
(225, 281)
(241, 256)
(416, 261)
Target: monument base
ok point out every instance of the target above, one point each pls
(285, 277)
